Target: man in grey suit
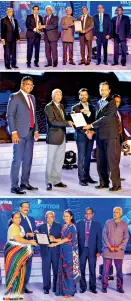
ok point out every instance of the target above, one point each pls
(56, 140)
(22, 121)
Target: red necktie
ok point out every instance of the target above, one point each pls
(31, 113)
(87, 233)
(47, 20)
(35, 16)
(82, 21)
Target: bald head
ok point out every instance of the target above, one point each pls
(57, 95)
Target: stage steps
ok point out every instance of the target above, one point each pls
(22, 49)
(36, 273)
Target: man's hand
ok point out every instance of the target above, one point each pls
(30, 234)
(84, 111)
(70, 123)
(82, 31)
(18, 41)
(36, 136)
(94, 38)
(87, 127)
(52, 245)
(3, 42)
(15, 138)
(98, 255)
(41, 26)
(52, 238)
(89, 135)
(107, 37)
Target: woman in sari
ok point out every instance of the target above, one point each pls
(16, 252)
(68, 271)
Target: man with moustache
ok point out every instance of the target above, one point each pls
(84, 144)
(22, 122)
(120, 35)
(107, 140)
(50, 256)
(115, 239)
(9, 37)
(33, 35)
(102, 33)
(28, 223)
(56, 140)
(90, 245)
(86, 36)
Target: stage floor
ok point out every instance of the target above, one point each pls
(70, 178)
(112, 294)
(92, 67)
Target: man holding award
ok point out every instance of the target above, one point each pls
(85, 29)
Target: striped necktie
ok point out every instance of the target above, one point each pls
(100, 23)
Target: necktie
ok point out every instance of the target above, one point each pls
(35, 16)
(49, 229)
(31, 113)
(87, 233)
(61, 112)
(47, 20)
(82, 21)
(119, 122)
(118, 25)
(100, 23)
(12, 23)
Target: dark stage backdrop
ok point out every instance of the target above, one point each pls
(23, 8)
(103, 210)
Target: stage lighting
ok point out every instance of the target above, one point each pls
(70, 160)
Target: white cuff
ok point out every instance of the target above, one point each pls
(14, 132)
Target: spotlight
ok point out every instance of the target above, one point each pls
(70, 160)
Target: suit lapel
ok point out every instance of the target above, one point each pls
(23, 99)
(57, 111)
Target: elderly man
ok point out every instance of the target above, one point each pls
(56, 140)
(67, 35)
(9, 37)
(50, 256)
(115, 238)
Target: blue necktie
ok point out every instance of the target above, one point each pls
(100, 23)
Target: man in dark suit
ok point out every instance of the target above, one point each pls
(51, 37)
(56, 140)
(9, 37)
(86, 36)
(120, 35)
(28, 223)
(102, 33)
(89, 244)
(84, 144)
(50, 256)
(22, 122)
(33, 35)
(107, 139)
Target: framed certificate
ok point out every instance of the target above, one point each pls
(78, 120)
(78, 26)
(42, 239)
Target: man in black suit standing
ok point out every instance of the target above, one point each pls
(107, 139)
(33, 23)
(9, 37)
(120, 35)
(56, 140)
(84, 144)
(51, 37)
(102, 33)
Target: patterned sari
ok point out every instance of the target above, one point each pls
(69, 270)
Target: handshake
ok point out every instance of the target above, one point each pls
(38, 29)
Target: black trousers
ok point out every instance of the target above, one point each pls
(10, 54)
(92, 269)
(51, 51)
(101, 40)
(118, 42)
(108, 159)
(33, 42)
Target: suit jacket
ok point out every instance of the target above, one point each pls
(30, 25)
(124, 31)
(56, 125)
(106, 123)
(89, 25)
(51, 30)
(26, 226)
(95, 237)
(18, 114)
(106, 25)
(80, 133)
(67, 33)
(8, 33)
(55, 231)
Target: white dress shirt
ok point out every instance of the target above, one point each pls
(49, 228)
(86, 107)
(84, 17)
(37, 24)
(102, 16)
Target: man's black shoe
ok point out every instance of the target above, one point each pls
(54, 290)
(28, 187)
(27, 291)
(101, 186)
(49, 186)
(83, 183)
(87, 63)
(115, 188)
(82, 290)
(60, 185)
(91, 181)
(15, 67)
(120, 290)
(55, 65)
(36, 65)
(17, 191)
(28, 65)
(72, 63)
(48, 65)
(114, 64)
(46, 291)
(81, 63)
(104, 290)
(123, 64)
(64, 63)
(93, 290)
(105, 63)
(98, 63)
(9, 68)
(122, 179)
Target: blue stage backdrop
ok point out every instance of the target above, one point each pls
(23, 8)
(102, 207)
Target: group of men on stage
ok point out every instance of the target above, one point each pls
(115, 237)
(105, 123)
(100, 28)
